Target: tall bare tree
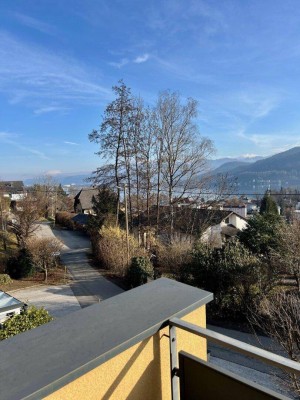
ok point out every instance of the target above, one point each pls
(183, 152)
(112, 136)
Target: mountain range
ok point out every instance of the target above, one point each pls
(279, 170)
(251, 174)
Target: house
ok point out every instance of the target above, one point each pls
(211, 225)
(12, 190)
(240, 208)
(83, 203)
(11, 187)
(148, 343)
(9, 306)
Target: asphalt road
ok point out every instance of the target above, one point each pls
(88, 285)
(58, 300)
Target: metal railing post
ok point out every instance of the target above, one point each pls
(236, 345)
(174, 364)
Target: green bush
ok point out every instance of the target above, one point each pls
(5, 279)
(139, 271)
(232, 273)
(21, 266)
(26, 320)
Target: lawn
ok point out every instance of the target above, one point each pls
(57, 276)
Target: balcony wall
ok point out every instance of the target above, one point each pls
(117, 349)
(141, 372)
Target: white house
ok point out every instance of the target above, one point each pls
(9, 306)
(224, 227)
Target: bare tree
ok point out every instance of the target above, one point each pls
(23, 224)
(4, 207)
(43, 253)
(183, 152)
(113, 140)
(45, 193)
(279, 318)
(287, 254)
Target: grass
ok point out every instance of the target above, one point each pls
(57, 276)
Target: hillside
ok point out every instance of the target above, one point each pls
(230, 166)
(280, 170)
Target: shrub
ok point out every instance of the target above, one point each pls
(26, 320)
(110, 249)
(139, 271)
(232, 273)
(64, 218)
(171, 258)
(20, 266)
(44, 253)
(5, 279)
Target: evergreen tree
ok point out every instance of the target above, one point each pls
(262, 233)
(104, 207)
(268, 205)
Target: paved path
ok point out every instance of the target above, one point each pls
(58, 300)
(247, 367)
(88, 286)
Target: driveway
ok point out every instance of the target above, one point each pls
(58, 300)
(88, 286)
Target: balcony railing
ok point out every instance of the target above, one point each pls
(231, 381)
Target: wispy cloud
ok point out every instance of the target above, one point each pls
(45, 110)
(141, 59)
(197, 17)
(10, 139)
(125, 61)
(269, 142)
(53, 172)
(29, 73)
(6, 135)
(185, 73)
(34, 23)
(119, 64)
(71, 143)
(249, 155)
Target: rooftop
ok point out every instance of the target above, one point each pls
(8, 302)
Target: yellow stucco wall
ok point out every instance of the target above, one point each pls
(142, 372)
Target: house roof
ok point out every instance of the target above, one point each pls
(187, 220)
(12, 186)
(85, 197)
(7, 302)
(229, 230)
(198, 220)
(81, 219)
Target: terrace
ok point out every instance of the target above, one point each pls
(147, 343)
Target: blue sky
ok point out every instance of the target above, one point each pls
(59, 59)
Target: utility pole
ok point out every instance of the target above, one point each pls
(127, 229)
(118, 206)
(158, 184)
(3, 228)
(55, 206)
(126, 223)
